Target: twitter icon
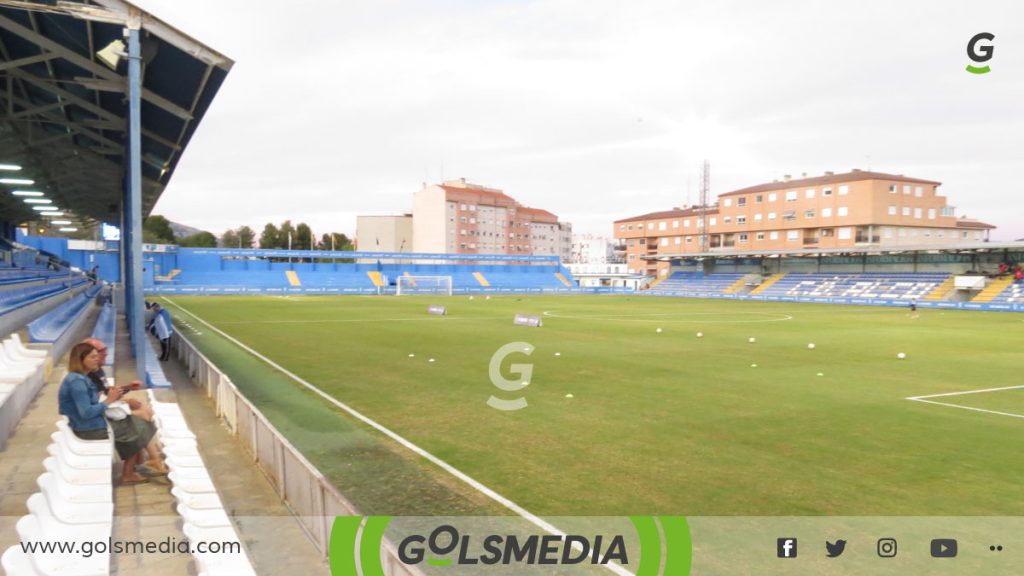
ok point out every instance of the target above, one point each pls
(835, 550)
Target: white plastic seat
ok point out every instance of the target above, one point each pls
(200, 501)
(89, 477)
(191, 484)
(15, 354)
(84, 447)
(75, 512)
(53, 525)
(175, 461)
(56, 564)
(16, 563)
(221, 563)
(50, 483)
(177, 434)
(26, 351)
(204, 518)
(77, 461)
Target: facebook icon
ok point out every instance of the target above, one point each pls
(786, 547)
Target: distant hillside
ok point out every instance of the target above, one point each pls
(181, 230)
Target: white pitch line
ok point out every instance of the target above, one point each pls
(965, 392)
(476, 485)
(375, 320)
(1010, 414)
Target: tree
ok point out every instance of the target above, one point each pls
(269, 237)
(303, 237)
(158, 229)
(246, 236)
(285, 231)
(229, 239)
(202, 239)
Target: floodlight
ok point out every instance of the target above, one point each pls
(69, 229)
(54, 213)
(17, 181)
(44, 208)
(11, 167)
(112, 53)
(38, 201)
(60, 222)
(26, 193)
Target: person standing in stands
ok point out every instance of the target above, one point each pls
(81, 403)
(1018, 276)
(164, 328)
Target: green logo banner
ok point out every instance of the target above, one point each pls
(637, 546)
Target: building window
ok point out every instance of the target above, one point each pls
(741, 202)
(789, 216)
(793, 235)
(689, 239)
(773, 235)
(675, 223)
(892, 188)
(714, 221)
(826, 191)
(472, 220)
(892, 209)
(622, 227)
(843, 211)
(632, 256)
(810, 193)
(771, 215)
(727, 202)
(809, 213)
(741, 220)
(931, 213)
(918, 191)
(650, 225)
(844, 190)
(948, 211)
(757, 217)
(664, 241)
(826, 233)
(887, 232)
(472, 208)
(906, 189)
(629, 227)
(760, 236)
(759, 198)
(772, 197)
(845, 233)
(743, 238)
(906, 210)
(791, 196)
(917, 212)
(927, 233)
(462, 232)
(686, 223)
(678, 241)
(726, 220)
(826, 212)
(661, 226)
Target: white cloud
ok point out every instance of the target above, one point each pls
(594, 109)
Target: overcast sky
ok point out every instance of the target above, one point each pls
(592, 109)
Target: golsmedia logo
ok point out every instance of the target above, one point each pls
(357, 548)
(980, 53)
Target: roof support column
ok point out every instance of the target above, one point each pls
(133, 205)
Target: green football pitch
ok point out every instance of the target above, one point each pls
(629, 411)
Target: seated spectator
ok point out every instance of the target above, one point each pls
(139, 410)
(79, 400)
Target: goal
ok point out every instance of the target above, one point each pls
(423, 285)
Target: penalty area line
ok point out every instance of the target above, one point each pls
(971, 408)
(465, 478)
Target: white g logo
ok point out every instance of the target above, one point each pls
(524, 371)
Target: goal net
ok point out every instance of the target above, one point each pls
(423, 285)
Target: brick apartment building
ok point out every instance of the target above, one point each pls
(457, 217)
(855, 209)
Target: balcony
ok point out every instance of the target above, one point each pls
(811, 241)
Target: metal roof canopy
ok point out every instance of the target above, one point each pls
(64, 112)
(976, 247)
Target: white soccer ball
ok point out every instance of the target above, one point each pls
(658, 330)
(700, 334)
(568, 395)
(488, 298)
(753, 365)
(901, 355)
(431, 360)
(412, 355)
(821, 373)
(470, 297)
(810, 346)
(752, 340)
(558, 353)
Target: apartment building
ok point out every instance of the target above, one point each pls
(854, 209)
(457, 217)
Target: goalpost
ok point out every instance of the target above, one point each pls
(423, 285)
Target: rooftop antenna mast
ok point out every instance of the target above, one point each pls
(705, 192)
